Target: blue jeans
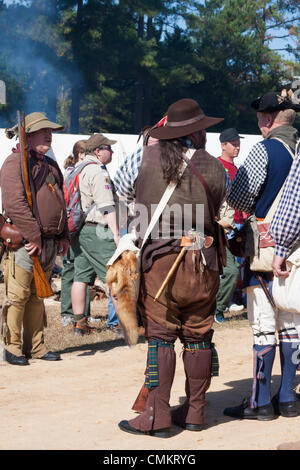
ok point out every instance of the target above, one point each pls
(112, 315)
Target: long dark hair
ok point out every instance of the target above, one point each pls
(171, 159)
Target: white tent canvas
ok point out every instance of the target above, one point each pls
(62, 145)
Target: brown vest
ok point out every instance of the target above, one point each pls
(150, 186)
(48, 200)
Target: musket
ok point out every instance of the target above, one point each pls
(42, 285)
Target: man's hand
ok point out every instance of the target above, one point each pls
(33, 248)
(224, 223)
(63, 246)
(279, 266)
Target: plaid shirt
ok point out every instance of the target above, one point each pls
(249, 179)
(127, 174)
(285, 225)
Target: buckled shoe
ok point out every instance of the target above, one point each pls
(287, 409)
(244, 411)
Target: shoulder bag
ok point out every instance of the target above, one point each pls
(264, 245)
(285, 291)
(221, 240)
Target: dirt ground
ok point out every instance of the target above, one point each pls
(76, 403)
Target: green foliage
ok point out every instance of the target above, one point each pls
(115, 66)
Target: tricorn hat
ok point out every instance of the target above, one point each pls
(183, 118)
(34, 122)
(96, 140)
(273, 101)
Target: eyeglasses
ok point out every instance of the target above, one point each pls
(105, 147)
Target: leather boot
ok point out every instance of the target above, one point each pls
(197, 366)
(157, 414)
(81, 327)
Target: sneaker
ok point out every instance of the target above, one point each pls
(66, 320)
(117, 330)
(219, 317)
(236, 308)
(114, 328)
(93, 320)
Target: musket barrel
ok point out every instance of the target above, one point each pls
(42, 285)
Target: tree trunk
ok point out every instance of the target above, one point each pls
(148, 83)
(138, 111)
(75, 87)
(139, 87)
(53, 84)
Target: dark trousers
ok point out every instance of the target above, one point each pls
(197, 367)
(228, 282)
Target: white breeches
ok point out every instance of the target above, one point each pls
(265, 321)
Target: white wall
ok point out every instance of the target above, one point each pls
(62, 145)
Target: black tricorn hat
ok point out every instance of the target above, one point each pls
(183, 118)
(273, 101)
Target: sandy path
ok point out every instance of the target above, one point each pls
(76, 403)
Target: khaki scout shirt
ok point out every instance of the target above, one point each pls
(95, 188)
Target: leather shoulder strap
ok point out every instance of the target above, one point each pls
(288, 148)
(166, 197)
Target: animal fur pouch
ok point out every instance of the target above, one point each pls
(121, 276)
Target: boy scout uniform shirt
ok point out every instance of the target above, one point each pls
(95, 188)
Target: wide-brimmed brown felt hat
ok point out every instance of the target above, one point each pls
(183, 118)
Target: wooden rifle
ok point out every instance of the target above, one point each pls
(42, 285)
(141, 400)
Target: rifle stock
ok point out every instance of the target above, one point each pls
(42, 285)
(141, 400)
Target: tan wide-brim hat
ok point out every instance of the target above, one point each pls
(96, 140)
(183, 118)
(34, 122)
(37, 121)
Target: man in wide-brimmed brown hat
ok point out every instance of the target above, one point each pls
(44, 231)
(186, 307)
